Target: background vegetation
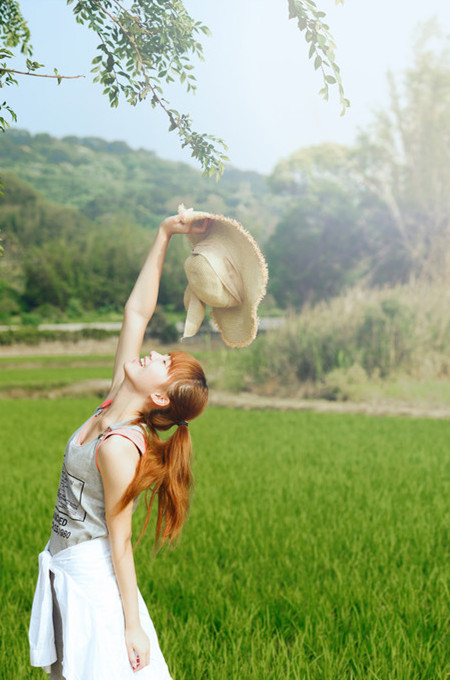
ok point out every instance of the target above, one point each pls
(317, 545)
(340, 349)
(357, 240)
(318, 550)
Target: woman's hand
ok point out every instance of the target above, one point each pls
(138, 647)
(176, 225)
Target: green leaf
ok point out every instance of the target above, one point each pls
(292, 9)
(330, 79)
(317, 62)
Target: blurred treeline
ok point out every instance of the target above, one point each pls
(76, 214)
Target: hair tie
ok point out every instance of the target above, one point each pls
(183, 422)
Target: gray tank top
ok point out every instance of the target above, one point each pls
(80, 504)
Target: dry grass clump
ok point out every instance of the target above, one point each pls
(364, 335)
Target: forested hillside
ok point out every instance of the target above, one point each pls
(77, 214)
(109, 179)
(56, 259)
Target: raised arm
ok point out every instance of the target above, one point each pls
(141, 304)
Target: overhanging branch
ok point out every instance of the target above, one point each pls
(38, 75)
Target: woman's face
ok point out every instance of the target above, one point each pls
(150, 373)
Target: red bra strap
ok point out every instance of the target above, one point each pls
(106, 403)
(130, 433)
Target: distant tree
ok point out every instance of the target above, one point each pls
(317, 248)
(49, 275)
(144, 47)
(403, 163)
(55, 255)
(397, 174)
(97, 271)
(309, 167)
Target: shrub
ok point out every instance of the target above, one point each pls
(383, 332)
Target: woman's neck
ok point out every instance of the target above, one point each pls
(126, 405)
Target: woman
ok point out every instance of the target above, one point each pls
(89, 621)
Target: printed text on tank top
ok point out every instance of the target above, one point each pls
(79, 513)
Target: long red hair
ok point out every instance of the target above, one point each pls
(164, 471)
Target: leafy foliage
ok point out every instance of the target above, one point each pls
(310, 19)
(56, 256)
(377, 213)
(145, 48)
(141, 48)
(14, 32)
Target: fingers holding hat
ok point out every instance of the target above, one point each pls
(186, 223)
(173, 225)
(201, 226)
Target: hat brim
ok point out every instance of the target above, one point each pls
(238, 325)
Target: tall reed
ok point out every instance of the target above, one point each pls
(403, 329)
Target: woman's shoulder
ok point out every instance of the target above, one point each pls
(117, 455)
(130, 431)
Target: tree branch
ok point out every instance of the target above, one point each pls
(140, 65)
(38, 75)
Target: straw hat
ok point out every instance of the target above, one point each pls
(226, 271)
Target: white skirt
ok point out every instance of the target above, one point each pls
(92, 617)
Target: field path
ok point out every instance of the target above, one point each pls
(247, 401)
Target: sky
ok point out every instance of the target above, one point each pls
(256, 88)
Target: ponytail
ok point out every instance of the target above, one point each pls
(164, 470)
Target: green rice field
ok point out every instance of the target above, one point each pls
(316, 547)
(44, 373)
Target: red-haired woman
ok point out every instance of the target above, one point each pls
(89, 621)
